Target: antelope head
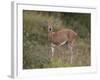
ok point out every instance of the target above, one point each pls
(50, 27)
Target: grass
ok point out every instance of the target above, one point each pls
(81, 55)
(58, 63)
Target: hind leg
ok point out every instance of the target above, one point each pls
(70, 46)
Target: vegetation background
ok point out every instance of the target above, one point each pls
(36, 48)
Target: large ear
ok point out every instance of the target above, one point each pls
(48, 22)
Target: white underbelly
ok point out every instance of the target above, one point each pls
(62, 43)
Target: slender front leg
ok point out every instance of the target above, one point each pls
(52, 49)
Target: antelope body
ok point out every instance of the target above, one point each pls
(61, 37)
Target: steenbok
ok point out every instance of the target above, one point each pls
(61, 37)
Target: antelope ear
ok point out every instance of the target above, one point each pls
(52, 26)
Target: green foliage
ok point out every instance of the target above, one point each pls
(80, 22)
(36, 49)
(58, 63)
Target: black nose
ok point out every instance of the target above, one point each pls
(50, 29)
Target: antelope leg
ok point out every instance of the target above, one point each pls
(71, 51)
(52, 49)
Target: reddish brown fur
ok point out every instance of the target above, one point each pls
(61, 36)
